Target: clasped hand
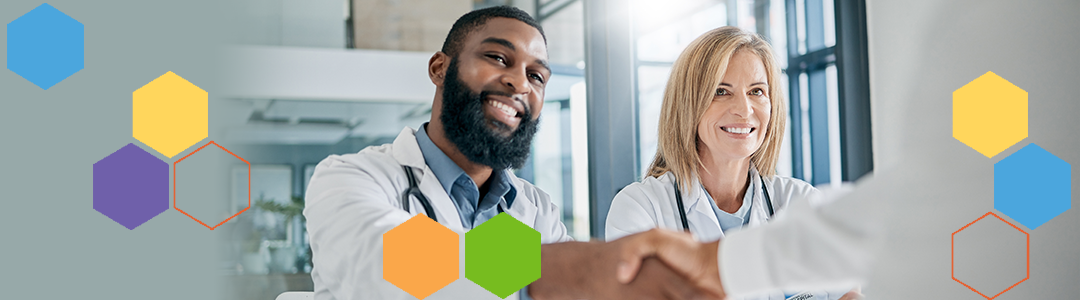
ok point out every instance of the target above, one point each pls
(656, 264)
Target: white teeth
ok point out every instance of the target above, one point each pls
(737, 130)
(503, 107)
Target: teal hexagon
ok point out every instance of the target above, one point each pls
(502, 255)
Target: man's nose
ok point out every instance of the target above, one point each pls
(517, 81)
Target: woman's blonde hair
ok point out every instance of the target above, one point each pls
(694, 78)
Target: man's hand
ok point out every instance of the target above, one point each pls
(694, 260)
(854, 294)
(577, 270)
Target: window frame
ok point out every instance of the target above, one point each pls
(849, 55)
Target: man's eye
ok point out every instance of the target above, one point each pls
(721, 92)
(537, 78)
(497, 58)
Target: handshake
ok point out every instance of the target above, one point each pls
(656, 264)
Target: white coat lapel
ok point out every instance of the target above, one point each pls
(700, 215)
(759, 214)
(524, 208)
(444, 207)
(407, 151)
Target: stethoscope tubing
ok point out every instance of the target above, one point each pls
(414, 190)
(682, 209)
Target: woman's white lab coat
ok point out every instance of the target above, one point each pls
(353, 199)
(651, 203)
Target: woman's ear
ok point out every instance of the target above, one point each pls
(437, 66)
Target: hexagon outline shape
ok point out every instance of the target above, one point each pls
(477, 274)
(226, 219)
(1032, 208)
(438, 270)
(990, 114)
(169, 114)
(952, 256)
(47, 32)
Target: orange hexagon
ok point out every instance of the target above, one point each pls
(226, 219)
(952, 257)
(420, 256)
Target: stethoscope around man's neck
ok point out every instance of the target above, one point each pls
(682, 210)
(414, 190)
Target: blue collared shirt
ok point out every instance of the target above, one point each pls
(461, 188)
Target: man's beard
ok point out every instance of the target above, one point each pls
(466, 126)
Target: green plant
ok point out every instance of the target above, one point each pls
(294, 208)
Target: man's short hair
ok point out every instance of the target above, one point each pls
(472, 21)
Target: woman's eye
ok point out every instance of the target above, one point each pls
(757, 92)
(721, 92)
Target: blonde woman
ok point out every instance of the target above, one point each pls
(721, 127)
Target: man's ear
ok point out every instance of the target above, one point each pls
(437, 66)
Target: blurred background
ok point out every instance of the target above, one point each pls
(320, 77)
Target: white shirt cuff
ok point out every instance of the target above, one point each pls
(742, 269)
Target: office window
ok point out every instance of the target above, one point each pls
(662, 31)
(557, 164)
(829, 106)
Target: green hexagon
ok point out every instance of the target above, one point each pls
(502, 255)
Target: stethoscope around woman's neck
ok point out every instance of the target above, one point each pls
(682, 210)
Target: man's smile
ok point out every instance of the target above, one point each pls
(505, 110)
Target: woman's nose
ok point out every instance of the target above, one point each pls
(742, 106)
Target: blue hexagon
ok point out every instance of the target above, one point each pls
(131, 186)
(45, 46)
(1032, 186)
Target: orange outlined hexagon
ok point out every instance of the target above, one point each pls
(990, 114)
(952, 256)
(169, 114)
(226, 219)
(420, 256)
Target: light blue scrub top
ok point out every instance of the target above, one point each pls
(733, 220)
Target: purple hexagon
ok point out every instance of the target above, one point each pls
(131, 186)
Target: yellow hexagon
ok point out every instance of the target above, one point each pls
(990, 114)
(169, 114)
